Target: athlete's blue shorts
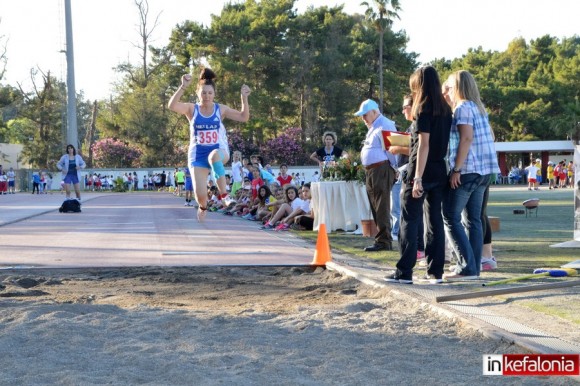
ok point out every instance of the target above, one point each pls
(201, 156)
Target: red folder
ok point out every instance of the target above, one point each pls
(395, 138)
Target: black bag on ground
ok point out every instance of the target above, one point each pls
(70, 206)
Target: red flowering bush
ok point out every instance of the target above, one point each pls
(281, 150)
(238, 142)
(285, 149)
(111, 153)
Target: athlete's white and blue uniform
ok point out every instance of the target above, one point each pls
(206, 135)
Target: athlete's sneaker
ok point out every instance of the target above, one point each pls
(283, 227)
(395, 277)
(201, 214)
(488, 264)
(228, 200)
(432, 279)
(267, 226)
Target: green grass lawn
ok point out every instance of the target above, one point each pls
(521, 245)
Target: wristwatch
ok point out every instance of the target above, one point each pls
(455, 170)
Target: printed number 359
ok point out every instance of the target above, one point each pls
(207, 137)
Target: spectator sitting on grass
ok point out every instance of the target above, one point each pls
(265, 197)
(305, 221)
(213, 204)
(293, 207)
(228, 183)
(243, 199)
(274, 205)
(250, 213)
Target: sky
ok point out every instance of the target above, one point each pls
(104, 31)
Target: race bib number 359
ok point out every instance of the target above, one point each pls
(207, 137)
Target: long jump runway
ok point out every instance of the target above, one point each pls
(143, 229)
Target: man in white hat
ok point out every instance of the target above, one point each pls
(380, 167)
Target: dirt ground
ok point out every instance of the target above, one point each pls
(216, 326)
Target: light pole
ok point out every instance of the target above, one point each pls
(71, 132)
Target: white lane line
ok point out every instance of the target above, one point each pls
(216, 253)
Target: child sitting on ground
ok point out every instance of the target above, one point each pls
(253, 207)
(241, 206)
(213, 204)
(265, 197)
(274, 204)
(293, 207)
(305, 221)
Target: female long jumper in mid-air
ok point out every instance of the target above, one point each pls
(208, 144)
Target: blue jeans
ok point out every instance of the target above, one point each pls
(396, 206)
(468, 240)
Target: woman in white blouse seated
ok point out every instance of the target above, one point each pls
(293, 207)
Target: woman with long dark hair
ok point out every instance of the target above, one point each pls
(425, 179)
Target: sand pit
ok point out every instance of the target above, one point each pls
(243, 326)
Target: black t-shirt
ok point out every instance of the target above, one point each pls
(334, 154)
(439, 128)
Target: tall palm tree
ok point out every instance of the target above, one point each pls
(381, 17)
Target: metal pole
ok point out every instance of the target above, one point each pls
(72, 132)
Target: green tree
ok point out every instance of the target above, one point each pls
(320, 48)
(10, 104)
(380, 14)
(247, 44)
(18, 130)
(138, 113)
(45, 106)
(529, 121)
(530, 90)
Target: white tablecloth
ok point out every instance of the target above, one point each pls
(340, 205)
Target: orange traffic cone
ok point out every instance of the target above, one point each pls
(322, 252)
